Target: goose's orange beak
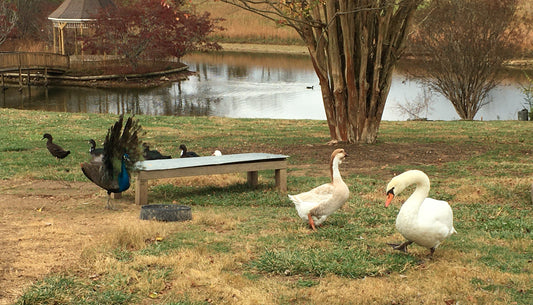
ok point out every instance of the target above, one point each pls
(390, 196)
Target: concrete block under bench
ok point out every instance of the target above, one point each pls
(184, 167)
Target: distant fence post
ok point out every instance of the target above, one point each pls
(20, 77)
(20, 70)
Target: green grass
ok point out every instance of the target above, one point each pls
(254, 237)
(70, 290)
(23, 153)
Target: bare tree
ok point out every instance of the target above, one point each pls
(354, 45)
(32, 23)
(8, 19)
(465, 44)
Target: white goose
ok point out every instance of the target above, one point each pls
(422, 220)
(317, 204)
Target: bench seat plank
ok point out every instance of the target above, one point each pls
(209, 165)
(165, 164)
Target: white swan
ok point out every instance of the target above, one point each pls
(317, 204)
(424, 221)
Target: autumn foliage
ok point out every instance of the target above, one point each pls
(149, 29)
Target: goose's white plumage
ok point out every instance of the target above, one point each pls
(317, 204)
(422, 220)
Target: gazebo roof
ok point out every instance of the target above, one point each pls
(78, 11)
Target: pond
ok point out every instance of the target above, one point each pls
(254, 86)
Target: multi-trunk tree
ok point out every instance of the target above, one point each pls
(149, 29)
(354, 45)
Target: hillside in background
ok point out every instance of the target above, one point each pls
(242, 26)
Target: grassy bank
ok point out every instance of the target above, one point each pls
(248, 246)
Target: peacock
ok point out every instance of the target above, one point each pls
(121, 151)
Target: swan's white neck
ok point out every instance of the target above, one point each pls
(413, 203)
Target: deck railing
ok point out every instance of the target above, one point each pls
(15, 61)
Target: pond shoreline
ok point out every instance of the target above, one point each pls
(130, 80)
(136, 80)
(159, 78)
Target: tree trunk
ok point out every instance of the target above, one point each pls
(354, 45)
(353, 57)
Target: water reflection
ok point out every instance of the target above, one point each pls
(247, 86)
(157, 101)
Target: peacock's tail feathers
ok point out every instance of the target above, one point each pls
(120, 146)
(122, 141)
(131, 143)
(96, 173)
(112, 150)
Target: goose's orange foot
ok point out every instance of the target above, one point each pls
(311, 222)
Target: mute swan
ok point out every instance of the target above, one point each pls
(317, 204)
(422, 220)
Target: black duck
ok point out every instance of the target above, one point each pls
(152, 154)
(56, 150)
(95, 152)
(187, 154)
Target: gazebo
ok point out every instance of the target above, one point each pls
(76, 15)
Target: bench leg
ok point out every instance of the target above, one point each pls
(253, 178)
(141, 192)
(281, 180)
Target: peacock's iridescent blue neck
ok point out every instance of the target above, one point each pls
(123, 177)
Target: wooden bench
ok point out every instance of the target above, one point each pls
(184, 167)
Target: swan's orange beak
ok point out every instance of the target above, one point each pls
(390, 196)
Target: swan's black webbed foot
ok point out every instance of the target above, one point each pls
(401, 247)
(432, 250)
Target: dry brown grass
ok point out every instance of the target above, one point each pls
(244, 26)
(201, 275)
(232, 59)
(213, 180)
(26, 46)
(198, 273)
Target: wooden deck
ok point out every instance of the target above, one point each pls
(183, 167)
(30, 61)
